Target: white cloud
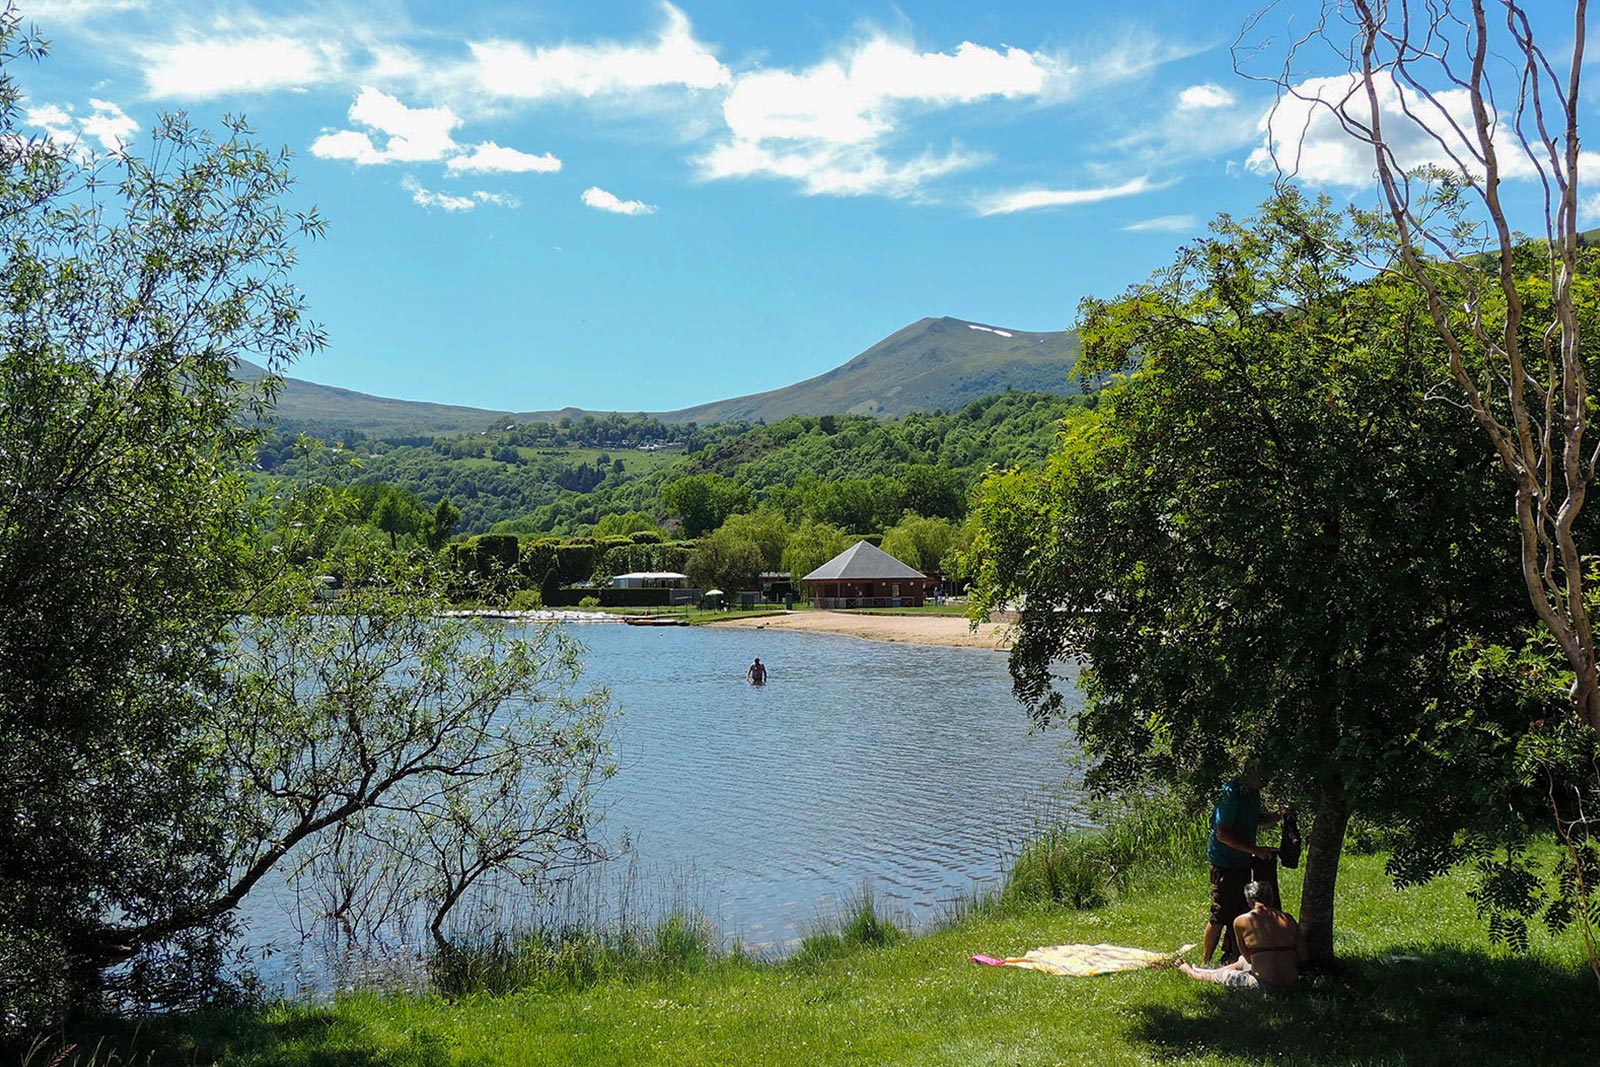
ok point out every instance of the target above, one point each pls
(1032, 199)
(1164, 224)
(855, 99)
(419, 135)
(227, 61)
(497, 199)
(413, 134)
(63, 11)
(676, 58)
(425, 197)
(601, 200)
(416, 134)
(829, 127)
(1204, 97)
(489, 157)
(823, 169)
(109, 125)
(1304, 136)
(1589, 207)
(106, 123)
(349, 145)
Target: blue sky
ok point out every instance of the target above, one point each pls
(639, 206)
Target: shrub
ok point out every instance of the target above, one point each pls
(526, 600)
(589, 602)
(1085, 868)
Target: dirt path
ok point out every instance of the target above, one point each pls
(911, 629)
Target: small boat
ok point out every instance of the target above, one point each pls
(655, 620)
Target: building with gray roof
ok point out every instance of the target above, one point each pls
(865, 576)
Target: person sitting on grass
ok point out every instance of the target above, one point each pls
(1269, 942)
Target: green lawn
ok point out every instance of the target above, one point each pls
(926, 609)
(1418, 985)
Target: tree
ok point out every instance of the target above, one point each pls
(399, 512)
(724, 560)
(1267, 543)
(704, 501)
(1454, 103)
(767, 529)
(812, 545)
(937, 492)
(623, 523)
(443, 523)
(922, 543)
(1451, 232)
(156, 748)
(475, 764)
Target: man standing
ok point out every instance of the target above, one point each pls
(1235, 857)
(757, 674)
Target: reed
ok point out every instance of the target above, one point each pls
(1089, 868)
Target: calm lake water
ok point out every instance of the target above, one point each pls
(906, 768)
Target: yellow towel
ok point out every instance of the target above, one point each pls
(1085, 961)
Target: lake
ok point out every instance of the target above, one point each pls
(903, 767)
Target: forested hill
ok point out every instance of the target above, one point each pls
(934, 364)
(563, 477)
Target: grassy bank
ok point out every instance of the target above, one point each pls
(1418, 985)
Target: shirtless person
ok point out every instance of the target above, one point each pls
(1270, 942)
(757, 674)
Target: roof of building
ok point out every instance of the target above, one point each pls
(650, 574)
(862, 562)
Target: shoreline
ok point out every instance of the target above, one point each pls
(950, 631)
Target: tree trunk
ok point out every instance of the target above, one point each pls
(1323, 846)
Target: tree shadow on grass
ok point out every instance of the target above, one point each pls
(1415, 1006)
(304, 1037)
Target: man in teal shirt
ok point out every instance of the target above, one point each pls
(1235, 857)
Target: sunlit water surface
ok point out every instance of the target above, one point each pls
(905, 768)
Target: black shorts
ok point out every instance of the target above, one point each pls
(1227, 894)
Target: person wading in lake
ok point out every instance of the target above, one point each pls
(757, 674)
(1236, 858)
(1270, 946)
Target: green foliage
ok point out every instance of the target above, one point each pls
(1268, 541)
(625, 523)
(926, 544)
(122, 535)
(861, 926)
(724, 560)
(1087, 868)
(704, 501)
(442, 523)
(923, 463)
(812, 545)
(676, 946)
(767, 529)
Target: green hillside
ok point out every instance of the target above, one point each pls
(931, 365)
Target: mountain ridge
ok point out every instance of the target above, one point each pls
(932, 364)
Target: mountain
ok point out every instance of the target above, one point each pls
(932, 364)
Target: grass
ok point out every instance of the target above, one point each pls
(926, 609)
(1417, 985)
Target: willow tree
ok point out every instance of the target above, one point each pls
(180, 714)
(1266, 544)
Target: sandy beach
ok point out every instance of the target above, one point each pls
(911, 629)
